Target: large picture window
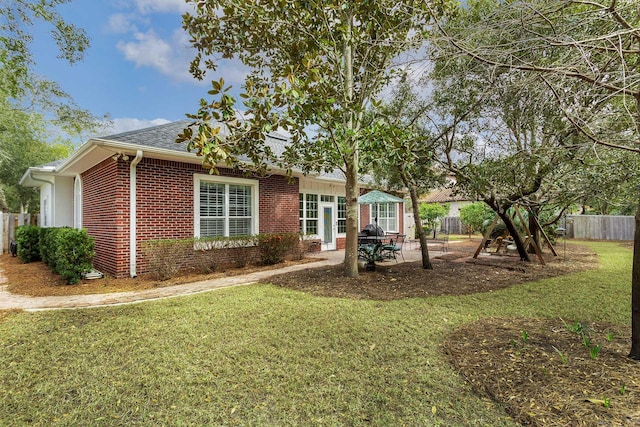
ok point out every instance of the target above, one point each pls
(387, 216)
(225, 207)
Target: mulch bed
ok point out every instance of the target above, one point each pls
(410, 280)
(550, 379)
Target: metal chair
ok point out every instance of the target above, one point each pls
(393, 247)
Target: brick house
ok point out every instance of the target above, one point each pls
(138, 186)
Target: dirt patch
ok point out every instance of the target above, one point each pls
(36, 279)
(408, 280)
(546, 375)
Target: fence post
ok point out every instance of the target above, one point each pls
(2, 233)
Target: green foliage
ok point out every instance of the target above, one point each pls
(23, 143)
(431, 213)
(274, 247)
(475, 215)
(67, 251)
(594, 351)
(312, 64)
(48, 246)
(74, 251)
(563, 356)
(28, 240)
(31, 107)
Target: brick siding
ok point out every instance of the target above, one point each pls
(165, 210)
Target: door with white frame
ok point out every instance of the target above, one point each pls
(327, 227)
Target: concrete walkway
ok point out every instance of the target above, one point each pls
(10, 301)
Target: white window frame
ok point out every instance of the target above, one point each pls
(372, 215)
(340, 219)
(225, 180)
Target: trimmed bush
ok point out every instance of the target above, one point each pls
(274, 247)
(48, 245)
(74, 251)
(164, 256)
(28, 240)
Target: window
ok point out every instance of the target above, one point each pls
(342, 214)
(225, 207)
(301, 212)
(311, 212)
(387, 216)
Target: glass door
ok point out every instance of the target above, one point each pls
(327, 224)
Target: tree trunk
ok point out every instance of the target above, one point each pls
(351, 248)
(426, 261)
(515, 234)
(351, 165)
(635, 291)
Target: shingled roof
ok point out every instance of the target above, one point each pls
(164, 136)
(444, 195)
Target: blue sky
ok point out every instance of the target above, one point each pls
(136, 70)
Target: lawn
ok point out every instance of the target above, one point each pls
(265, 355)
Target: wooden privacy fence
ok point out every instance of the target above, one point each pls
(589, 227)
(9, 223)
(600, 227)
(452, 224)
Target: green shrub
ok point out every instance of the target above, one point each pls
(274, 247)
(48, 245)
(28, 240)
(474, 216)
(74, 250)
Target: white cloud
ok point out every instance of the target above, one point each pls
(125, 124)
(121, 23)
(170, 57)
(162, 6)
(142, 45)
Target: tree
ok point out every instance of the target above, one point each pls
(572, 45)
(313, 64)
(32, 107)
(402, 129)
(511, 149)
(431, 213)
(473, 216)
(23, 139)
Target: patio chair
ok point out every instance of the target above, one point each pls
(391, 249)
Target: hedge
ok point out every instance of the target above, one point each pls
(67, 251)
(28, 240)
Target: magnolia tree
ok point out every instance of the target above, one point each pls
(313, 66)
(582, 50)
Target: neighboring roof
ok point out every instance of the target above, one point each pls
(444, 195)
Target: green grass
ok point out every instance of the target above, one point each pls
(261, 355)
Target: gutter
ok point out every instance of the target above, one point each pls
(53, 196)
(133, 214)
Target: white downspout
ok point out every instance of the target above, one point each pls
(133, 214)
